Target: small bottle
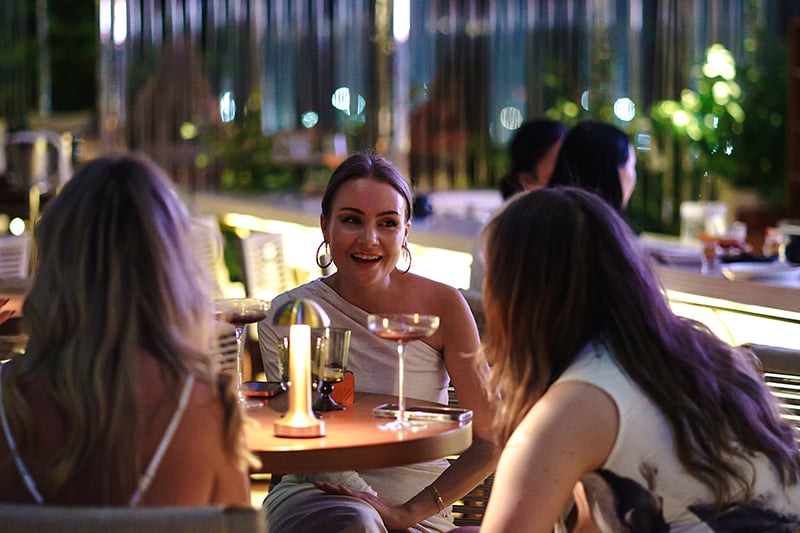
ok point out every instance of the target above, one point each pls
(772, 242)
(709, 259)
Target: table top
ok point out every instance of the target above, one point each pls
(780, 299)
(679, 272)
(353, 439)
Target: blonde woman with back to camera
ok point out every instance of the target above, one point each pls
(645, 420)
(118, 368)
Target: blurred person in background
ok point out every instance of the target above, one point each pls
(600, 158)
(533, 152)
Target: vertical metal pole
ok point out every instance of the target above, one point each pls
(45, 78)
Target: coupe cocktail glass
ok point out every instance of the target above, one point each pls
(402, 328)
(239, 312)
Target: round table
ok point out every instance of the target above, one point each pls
(353, 439)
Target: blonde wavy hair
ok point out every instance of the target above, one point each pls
(115, 278)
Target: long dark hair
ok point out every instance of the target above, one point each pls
(530, 143)
(562, 270)
(590, 158)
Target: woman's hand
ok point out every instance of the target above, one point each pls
(5, 315)
(396, 517)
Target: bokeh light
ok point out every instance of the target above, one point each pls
(16, 226)
(309, 119)
(624, 109)
(511, 118)
(227, 107)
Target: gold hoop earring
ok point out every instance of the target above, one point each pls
(327, 254)
(407, 253)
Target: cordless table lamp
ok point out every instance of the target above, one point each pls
(300, 315)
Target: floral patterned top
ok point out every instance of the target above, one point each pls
(643, 486)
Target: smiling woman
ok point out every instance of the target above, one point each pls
(366, 220)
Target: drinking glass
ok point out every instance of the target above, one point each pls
(709, 259)
(401, 328)
(329, 350)
(283, 360)
(282, 347)
(239, 312)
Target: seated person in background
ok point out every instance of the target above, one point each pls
(598, 157)
(118, 368)
(366, 212)
(652, 422)
(533, 152)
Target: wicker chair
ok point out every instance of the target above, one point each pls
(468, 510)
(228, 349)
(15, 256)
(781, 368)
(208, 245)
(264, 269)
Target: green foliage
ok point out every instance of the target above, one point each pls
(244, 155)
(74, 49)
(732, 123)
(17, 91)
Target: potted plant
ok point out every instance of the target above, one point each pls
(732, 123)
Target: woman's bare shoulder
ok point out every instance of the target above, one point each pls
(205, 402)
(198, 454)
(435, 292)
(202, 425)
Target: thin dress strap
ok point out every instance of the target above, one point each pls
(12, 445)
(147, 477)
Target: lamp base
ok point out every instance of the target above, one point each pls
(290, 428)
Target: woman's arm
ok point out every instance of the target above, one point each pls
(231, 487)
(460, 347)
(570, 431)
(458, 339)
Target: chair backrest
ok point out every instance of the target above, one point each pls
(206, 240)
(228, 349)
(38, 157)
(264, 269)
(782, 374)
(469, 509)
(15, 256)
(17, 518)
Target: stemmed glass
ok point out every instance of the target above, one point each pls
(239, 312)
(330, 347)
(401, 328)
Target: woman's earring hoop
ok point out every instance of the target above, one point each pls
(325, 255)
(407, 253)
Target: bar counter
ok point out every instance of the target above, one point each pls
(763, 312)
(447, 230)
(774, 298)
